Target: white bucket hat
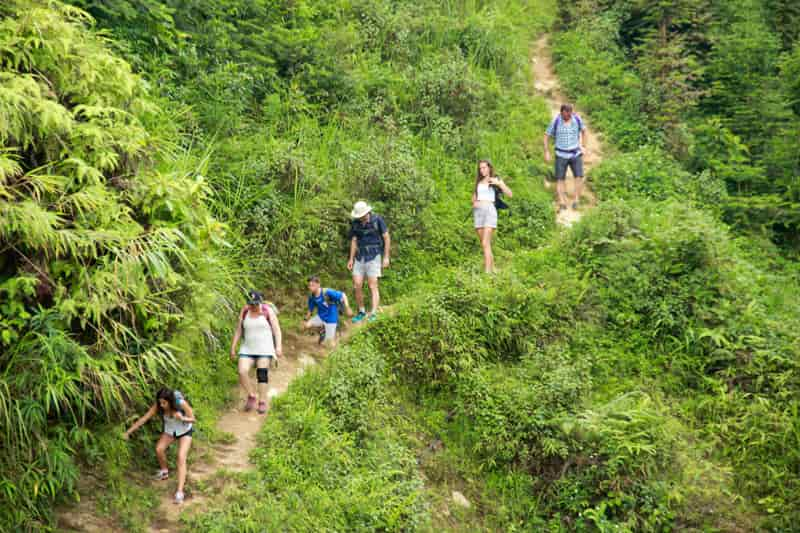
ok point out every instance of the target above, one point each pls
(360, 209)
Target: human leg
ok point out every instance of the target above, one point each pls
(358, 284)
(576, 164)
(245, 364)
(262, 376)
(184, 443)
(375, 295)
(561, 186)
(488, 264)
(161, 450)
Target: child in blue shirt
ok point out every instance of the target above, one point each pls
(326, 302)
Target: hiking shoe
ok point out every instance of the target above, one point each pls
(179, 497)
(359, 317)
(575, 205)
(321, 337)
(562, 207)
(262, 407)
(250, 404)
(161, 475)
(372, 317)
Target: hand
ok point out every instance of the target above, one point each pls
(547, 157)
(385, 262)
(584, 150)
(349, 311)
(126, 436)
(475, 204)
(233, 355)
(278, 352)
(350, 265)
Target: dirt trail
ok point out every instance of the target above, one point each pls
(546, 83)
(301, 351)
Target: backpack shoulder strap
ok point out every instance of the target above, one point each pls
(578, 121)
(556, 122)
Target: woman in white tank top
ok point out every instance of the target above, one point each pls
(262, 342)
(483, 209)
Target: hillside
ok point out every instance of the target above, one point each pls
(636, 371)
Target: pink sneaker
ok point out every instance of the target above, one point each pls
(262, 407)
(251, 403)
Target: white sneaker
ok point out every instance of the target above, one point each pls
(179, 497)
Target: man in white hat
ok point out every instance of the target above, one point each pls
(369, 254)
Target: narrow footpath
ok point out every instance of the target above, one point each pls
(546, 83)
(209, 463)
(301, 351)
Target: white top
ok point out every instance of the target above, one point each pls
(175, 427)
(485, 193)
(257, 336)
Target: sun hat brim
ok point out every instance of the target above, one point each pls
(358, 214)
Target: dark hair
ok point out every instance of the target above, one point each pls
(166, 394)
(313, 278)
(255, 298)
(479, 177)
(566, 107)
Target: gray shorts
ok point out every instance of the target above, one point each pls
(368, 269)
(576, 164)
(330, 329)
(485, 216)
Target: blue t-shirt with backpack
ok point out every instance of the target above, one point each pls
(327, 305)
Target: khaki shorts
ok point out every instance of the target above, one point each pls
(330, 329)
(369, 269)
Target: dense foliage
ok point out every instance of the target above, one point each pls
(639, 374)
(107, 251)
(713, 84)
(635, 373)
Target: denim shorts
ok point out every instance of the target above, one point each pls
(575, 163)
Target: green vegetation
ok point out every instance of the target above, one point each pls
(635, 373)
(711, 84)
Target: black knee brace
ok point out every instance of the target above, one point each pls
(262, 374)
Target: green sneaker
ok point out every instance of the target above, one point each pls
(359, 317)
(372, 317)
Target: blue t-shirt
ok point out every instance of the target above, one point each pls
(369, 237)
(327, 313)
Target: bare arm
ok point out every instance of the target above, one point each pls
(142, 420)
(237, 334)
(188, 415)
(583, 139)
(503, 187)
(353, 250)
(346, 304)
(387, 246)
(546, 147)
(474, 200)
(276, 332)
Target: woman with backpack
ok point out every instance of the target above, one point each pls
(258, 322)
(485, 200)
(177, 417)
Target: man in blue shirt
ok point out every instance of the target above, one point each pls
(369, 254)
(326, 302)
(570, 141)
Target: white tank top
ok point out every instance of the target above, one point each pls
(175, 427)
(485, 193)
(257, 336)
